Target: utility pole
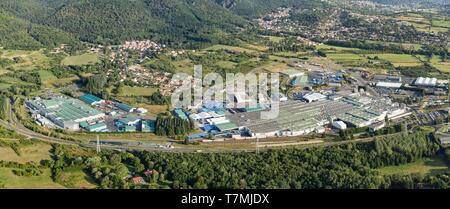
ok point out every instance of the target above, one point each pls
(98, 144)
(257, 145)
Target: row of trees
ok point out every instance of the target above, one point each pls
(172, 126)
(4, 107)
(345, 166)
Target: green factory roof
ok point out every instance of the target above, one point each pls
(50, 103)
(221, 113)
(96, 126)
(180, 113)
(129, 128)
(90, 99)
(129, 118)
(226, 126)
(84, 124)
(71, 109)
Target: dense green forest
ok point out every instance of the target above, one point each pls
(346, 166)
(17, 33)
(112, 21)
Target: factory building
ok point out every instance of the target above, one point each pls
(125, 107)
(91, 99)
(429, 82)
(292, 73)
(339, 125)
(314, 97)
(64, 112)
(298, 118)
(389, 85)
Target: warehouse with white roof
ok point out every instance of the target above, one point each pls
(421, 81)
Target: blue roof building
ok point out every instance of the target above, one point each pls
(99, 127)
(91, 99)
(148, 126)
(181, 114)
(130, 120)
(125, 107)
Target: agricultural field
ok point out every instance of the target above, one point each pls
(424, 23)
(433, 165)
(83, 59)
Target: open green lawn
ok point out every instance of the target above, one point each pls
(10, 181)
(83, 59)
(433, 165)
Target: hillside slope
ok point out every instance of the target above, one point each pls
(112, 21)
(16, 33)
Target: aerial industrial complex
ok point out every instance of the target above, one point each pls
(324, 101)
(88, 113)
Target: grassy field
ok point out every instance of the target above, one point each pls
(9, 180)
(49, 80)
(226, 64)
(399, 59)
(137, 91)
(26, 60)
(34, 153)
(422, 23)
(275, 39)
(3, 72)
(83, 59)
(256, 47)
(433, 165)
(230, 48)
(185, 66)
(442, 66)
(328, 48)
(76, 178)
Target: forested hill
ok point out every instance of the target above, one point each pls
(96, 20)
(255, 8)
(166, 21)
(18, 33)
(113, 21)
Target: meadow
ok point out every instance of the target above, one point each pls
(433, 165)
(83, 59)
